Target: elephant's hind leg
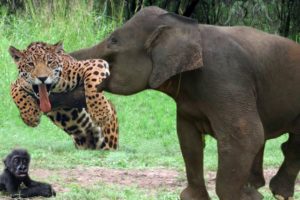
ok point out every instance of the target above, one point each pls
(283, 183)
(191, 144)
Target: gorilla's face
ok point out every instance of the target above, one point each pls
(19, 166)
(17, 163)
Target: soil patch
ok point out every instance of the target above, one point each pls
(149, 179)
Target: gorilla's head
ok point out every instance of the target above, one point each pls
(17, 163)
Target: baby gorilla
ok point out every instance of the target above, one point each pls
(16, 172)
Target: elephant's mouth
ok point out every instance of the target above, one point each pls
(103, 86)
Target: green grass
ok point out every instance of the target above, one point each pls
(115, 193)
(147, 120)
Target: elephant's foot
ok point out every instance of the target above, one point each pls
(278, 197)
(283, 183)
(282, 188)
(192, 193)
(250, 193)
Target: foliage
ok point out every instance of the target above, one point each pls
(282, 17)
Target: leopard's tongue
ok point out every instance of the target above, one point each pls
(45, 104)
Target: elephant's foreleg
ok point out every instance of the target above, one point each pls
(256, 178)
(191, 144)
(240, 137)
(283, 183)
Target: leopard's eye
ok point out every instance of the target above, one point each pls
(49, 59)
(30, 64)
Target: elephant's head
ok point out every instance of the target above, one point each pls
(147, 50)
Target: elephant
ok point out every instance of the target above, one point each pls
(238, 84)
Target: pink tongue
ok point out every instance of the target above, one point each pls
(45, 105)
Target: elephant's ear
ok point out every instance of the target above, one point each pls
(173, 50)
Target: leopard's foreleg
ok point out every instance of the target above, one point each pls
(110, 132)
(27, 105)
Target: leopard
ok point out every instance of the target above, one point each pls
(45, 68)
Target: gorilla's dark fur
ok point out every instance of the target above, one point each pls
(16, 172)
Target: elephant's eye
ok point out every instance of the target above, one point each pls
(113, 40)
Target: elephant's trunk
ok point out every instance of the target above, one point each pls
(93, 52)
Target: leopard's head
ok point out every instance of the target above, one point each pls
(40, 64)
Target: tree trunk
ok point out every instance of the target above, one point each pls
(285, 17)
(190, 8)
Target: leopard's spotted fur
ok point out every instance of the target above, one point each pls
(40, 63)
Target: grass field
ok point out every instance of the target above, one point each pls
(147, 124)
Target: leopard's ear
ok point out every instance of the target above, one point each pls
(15, 53)
(59, 47)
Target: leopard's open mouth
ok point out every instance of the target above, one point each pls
(36, 89)
(42, 92)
